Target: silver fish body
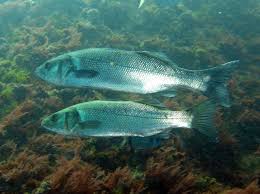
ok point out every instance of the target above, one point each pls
(160, 2)
(121, 118)
(131, 71)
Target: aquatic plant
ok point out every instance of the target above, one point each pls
(75, 177)
(25, 170)
(195, 34)
(49, 144)
(18, 115)
(251, 188)
(250, 163)
(169, 179)
(7, 92)
(122, 181)
(7, 150)
(43, 188)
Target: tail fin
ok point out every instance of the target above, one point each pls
(217, 87)
(203, 119)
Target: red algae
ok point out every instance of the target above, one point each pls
(24, 171)
(195, 36)
(74, 177)
(252, 188)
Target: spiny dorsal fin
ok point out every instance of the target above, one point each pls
(157, 55)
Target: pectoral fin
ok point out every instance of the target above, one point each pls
(91, 124)
(86, 73)
(68, 71)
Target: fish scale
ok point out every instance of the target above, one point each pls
(125, 70)
(129, 109)
(128, 59)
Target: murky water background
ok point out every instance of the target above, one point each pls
(195, 34)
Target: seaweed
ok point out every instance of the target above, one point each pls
(122, 181)
(26, 170)
(251, 188)
(170, 179)
(194, 34)
(74, 177)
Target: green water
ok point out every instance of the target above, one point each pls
(194, 34)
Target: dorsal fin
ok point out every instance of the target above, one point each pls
(157, 55)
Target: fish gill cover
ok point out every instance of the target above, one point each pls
(193, 34)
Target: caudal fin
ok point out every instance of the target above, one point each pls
(203, 119)
(217, 86)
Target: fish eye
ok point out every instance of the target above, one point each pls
(54, 118)
(68, 60)
(47, 65)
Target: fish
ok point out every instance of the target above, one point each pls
(141, 3)
(141, 72)
(160, 2)
(128, 119)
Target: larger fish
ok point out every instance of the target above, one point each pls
(126, 118)
(134, 71)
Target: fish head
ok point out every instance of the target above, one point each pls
(55, 70)
(64, 122)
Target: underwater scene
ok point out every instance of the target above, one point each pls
(130, 96)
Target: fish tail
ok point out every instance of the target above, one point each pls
(203, 118)
(216, 86)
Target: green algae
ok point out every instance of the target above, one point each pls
(7, 92)
(43, 188)
(250, 163)
(12, 74)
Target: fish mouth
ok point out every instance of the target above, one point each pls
(39, 73)
(55, 130)
(48, 126)
(42, 75)
(44, 124)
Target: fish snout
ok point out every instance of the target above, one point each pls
(52, 125)
(40, 72)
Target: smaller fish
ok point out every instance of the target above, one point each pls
(128, 119)
(160, 2)
(141, 3)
